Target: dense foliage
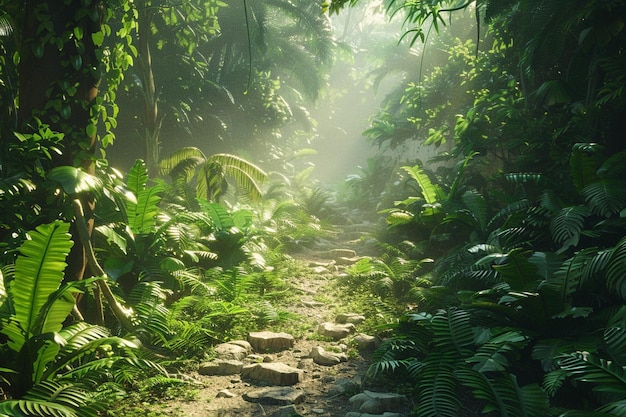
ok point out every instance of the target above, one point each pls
(522, 312)
(501, 279)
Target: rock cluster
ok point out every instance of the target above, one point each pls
(257, 360)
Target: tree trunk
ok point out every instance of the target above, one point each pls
(151, 122)
(58, 82)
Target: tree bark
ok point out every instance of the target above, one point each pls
(58, 82)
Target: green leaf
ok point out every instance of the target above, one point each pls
(142, 216)
(605, 376)
(74, 180)
(516, 270)
(605, 197)
(137, 177)
(39, 273)
(568, 224)
(430, 192)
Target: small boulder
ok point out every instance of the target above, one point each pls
(270, 341)
(378, 402)
(243, 343)
(335, 331)
(366, 342)
(225, 394)
(325, 358)
(350, 318)
(230, 351)
(275, 373)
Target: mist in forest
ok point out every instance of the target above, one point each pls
(326, 108)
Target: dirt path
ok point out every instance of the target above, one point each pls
(326, 389)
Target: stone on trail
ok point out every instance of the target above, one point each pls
(230, 351)
(366, 342)
(347, 261)
(342, 253)
(225, 394)
(270, 341)
(335, 331)
(275, 373)
(378, 402)
(350, 318)
(343, 386)
(243, 343)
(221, 367)
(275, 396)
(325, 358)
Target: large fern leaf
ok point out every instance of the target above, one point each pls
(142, 216)
(39, 273)
(503, 396)
(438, 391)
(584, 162)
(431, 193)
(452, 330)
(477, 205)
(137, 177)
(605, 197)
(605, 376)
(567, 226)
(616, 270)
(518, 271)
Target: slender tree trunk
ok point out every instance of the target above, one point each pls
(150, 103)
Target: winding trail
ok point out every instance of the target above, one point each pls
(322, 390)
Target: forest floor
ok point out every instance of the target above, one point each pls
(326, 389)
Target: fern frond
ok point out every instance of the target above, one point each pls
(567, 226)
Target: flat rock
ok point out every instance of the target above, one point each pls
(230, 351)
(378, 402)
(221, 367)
(322, 357)
(365, 342)
(275, 373)
(342, 253)
(225, 394)
(347, 261)
(335, 331)
(350, 318)
(275, 396)
(270, 341)
(344, 386)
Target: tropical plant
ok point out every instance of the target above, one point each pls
(47, 367)
(199, 176)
